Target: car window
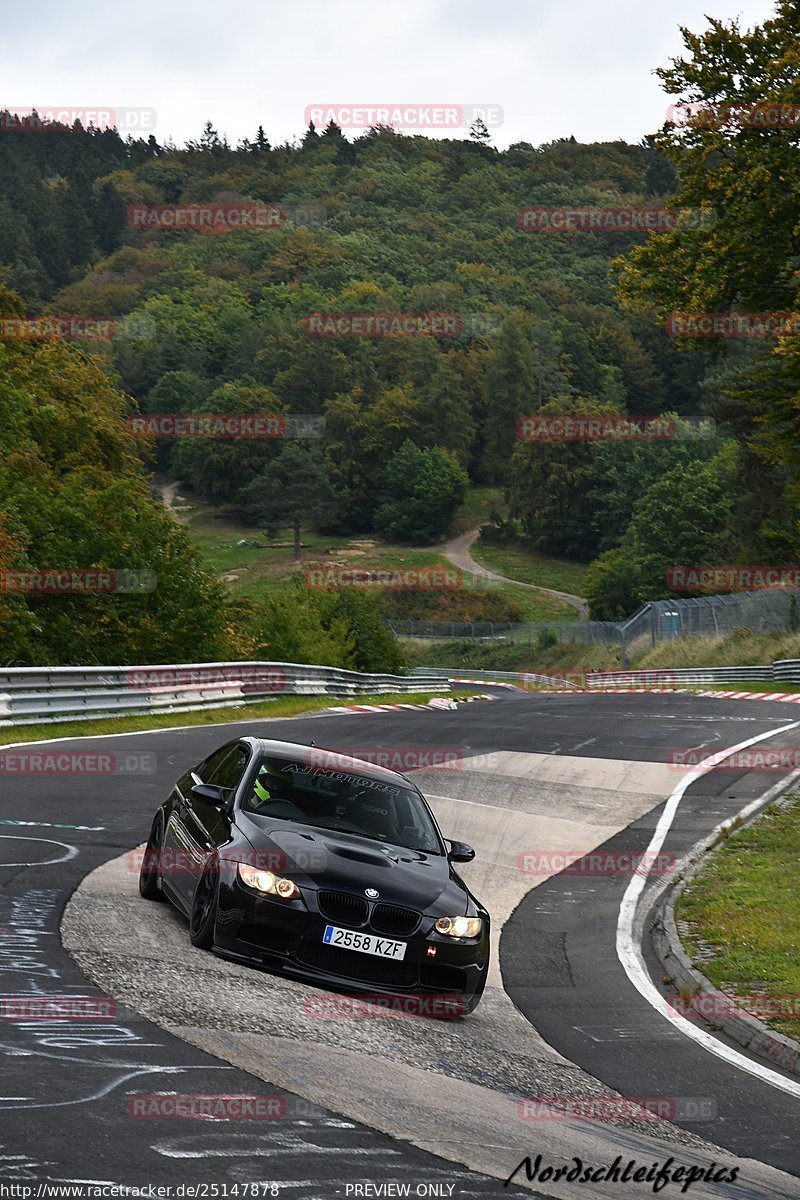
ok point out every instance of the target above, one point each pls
(228, 773)
(206, 769)
(343, 801)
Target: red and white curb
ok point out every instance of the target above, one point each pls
(436, 702)
(785, 697)
(442, 702)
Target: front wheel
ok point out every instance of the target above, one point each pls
(149, 872)
(204, 909)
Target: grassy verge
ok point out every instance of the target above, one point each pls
(536, 606)
(750, 685)
(283, 706)
(250, 569)
(478, 506)
(519, 562)
(741, 646)
(746, 906)
(737, 649)
(511, 656)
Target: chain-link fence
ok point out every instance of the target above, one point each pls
(658, 621)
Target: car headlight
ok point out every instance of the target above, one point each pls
(459, 926)
(266, 881)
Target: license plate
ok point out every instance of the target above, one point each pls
(365, 943)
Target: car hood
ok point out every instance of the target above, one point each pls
(321, 858)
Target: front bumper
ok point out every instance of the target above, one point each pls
(287, 937)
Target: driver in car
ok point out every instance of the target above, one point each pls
(270, 785)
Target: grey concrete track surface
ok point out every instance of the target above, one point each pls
(457, 551)
(451, 1089)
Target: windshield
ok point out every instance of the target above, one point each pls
(287, 790)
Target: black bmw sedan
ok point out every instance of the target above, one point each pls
(327, 868)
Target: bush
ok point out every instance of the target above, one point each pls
(331, 628)
(421, 491)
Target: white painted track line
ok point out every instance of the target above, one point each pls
(630, 954)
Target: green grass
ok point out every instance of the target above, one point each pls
(746, 906)
(519, 562)
(538, 606)
(750, 685)
(283, 706)
(253, 570)
(478, 506)
(509, 656)
(733, 650)
(737, 649)
(216, 533)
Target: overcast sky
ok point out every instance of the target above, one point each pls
(554, 69)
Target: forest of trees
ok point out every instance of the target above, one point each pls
(549, 322)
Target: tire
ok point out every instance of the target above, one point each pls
(204, 909)
(149, 873)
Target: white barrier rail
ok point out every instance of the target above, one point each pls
(39, 695)
(786, 670)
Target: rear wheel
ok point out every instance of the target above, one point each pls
(149, 872)
(204, 908)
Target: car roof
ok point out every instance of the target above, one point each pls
(325, 757)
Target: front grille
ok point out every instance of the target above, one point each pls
(351, 965)
(390, 918)
(340, 906)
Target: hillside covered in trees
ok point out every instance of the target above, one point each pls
(547, 322)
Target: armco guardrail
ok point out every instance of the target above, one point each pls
(519, 678)
(787, 671)
(37, 695)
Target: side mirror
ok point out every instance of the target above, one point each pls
(460, 852)
(210, 793)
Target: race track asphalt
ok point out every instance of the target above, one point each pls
(371, 1101)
